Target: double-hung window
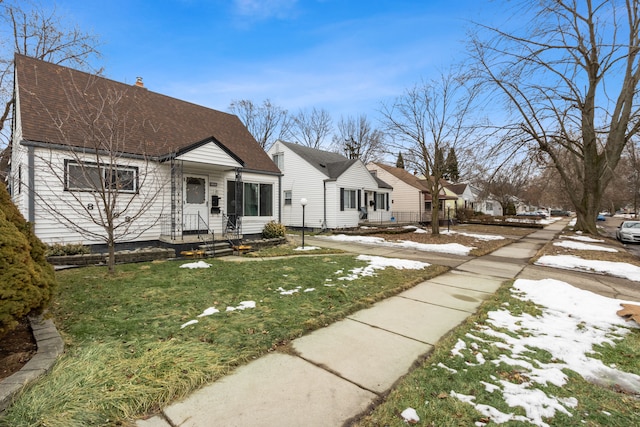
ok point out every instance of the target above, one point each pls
(278, 159)
(349, 199)
(88, 176)
(287, 197)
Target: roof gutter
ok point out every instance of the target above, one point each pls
(85, 150)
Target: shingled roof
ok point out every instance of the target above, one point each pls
(55, 100)
(405, 176)
(331, 164)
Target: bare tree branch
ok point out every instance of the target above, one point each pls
(571, 79)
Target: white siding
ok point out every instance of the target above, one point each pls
(18, 164)
(322, 194)
(357, 177)
(210, 154)
(59, 213)
(304, 181)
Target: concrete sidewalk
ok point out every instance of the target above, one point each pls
(340, 370)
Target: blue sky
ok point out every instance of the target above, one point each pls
(346, 56)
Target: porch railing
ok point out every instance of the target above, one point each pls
(193, 223)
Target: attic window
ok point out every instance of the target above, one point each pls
(278, 159)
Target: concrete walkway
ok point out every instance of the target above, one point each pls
(340, 370)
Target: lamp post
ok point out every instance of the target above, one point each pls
(303, 203)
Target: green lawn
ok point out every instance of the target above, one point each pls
(127, 355)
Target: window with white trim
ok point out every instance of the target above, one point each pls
(381, 201)
(287, 197)
(349, 199)
(87, 176)
(278, 159)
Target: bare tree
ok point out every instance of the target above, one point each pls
(310, 128)
(427, 120)
(507, 186)
(571, 79)
(267, 122)
(357, 139)
(30, 29)
(103, 200)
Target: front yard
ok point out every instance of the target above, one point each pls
(132, 344)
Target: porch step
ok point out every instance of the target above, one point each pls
(219, 248)
(220, 252)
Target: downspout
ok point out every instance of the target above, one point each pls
(31, 217)
(279, 196)
(324, 203)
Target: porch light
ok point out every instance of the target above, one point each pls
(303, 203)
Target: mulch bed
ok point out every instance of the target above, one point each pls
(16, 349)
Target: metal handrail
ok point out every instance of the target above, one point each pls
(210, 230)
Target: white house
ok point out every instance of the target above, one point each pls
(170, 167)
(340, 192)
(470, 197)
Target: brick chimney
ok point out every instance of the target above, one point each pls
(139, 82)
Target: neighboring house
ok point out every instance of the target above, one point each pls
(192, 169)
(340, 192)
(412, 201)
(469, 197)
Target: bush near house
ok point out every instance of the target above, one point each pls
(273, 229)
(27, 280)
(60, 249)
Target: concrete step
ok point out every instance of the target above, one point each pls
(220, 252)
(217, 245)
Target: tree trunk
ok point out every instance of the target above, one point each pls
(435, 214)
(111, 259)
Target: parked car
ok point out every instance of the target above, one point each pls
(558, 212)
(629, 231)
(601, 217)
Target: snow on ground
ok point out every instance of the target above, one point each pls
(380, 263)
(583, 246)
(571, 262)
(449, 248)
(584, 239)
(212, 310)
(306, 248)
(476, 236)
(199, 264)
(571, 323)
(415, 229)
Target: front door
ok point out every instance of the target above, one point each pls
(196, 215)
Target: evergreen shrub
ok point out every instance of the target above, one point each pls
(273, 229)
(27, 280)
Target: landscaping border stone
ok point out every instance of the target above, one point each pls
(50, 346)
(137, 255)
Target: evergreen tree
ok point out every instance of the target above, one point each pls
(27, 280)
(451, 171)
(438, 162)
(400, 161)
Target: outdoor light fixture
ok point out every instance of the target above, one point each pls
(303, 203)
